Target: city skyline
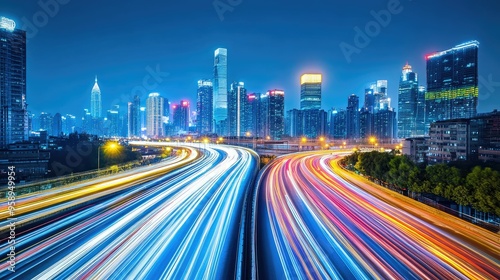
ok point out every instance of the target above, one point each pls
(120, 76)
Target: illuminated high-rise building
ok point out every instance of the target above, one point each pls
(452, 83)
(252, 116)
(310, 91)
(13, 107)
(154, 115)
(46, 122)
(407, 103)
(204, 107)
(57, 125)
(352, 119)
(95, 101)
(69, 125)
(236, 99)
(113, 122)
(273, 114)
(181, 116)
(220, 91)
(134, 117)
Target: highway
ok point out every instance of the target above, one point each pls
(183, 224)
(315, 221)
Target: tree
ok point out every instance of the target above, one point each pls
(485, 186)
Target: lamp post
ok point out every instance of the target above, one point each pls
(373, 140)
(109, 147)
(303, 141)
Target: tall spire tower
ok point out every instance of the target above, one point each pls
(95, 101)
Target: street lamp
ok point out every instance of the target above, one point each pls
(109, 147)
(373, 140)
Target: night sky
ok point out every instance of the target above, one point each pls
(270, 44)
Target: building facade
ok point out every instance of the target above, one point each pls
(352, 119)
(220, 91)
(13, 106)
(154, 115)
(204, 107)
(310, 91)
(408, 103)
(236, 100)
(452, 83)
(273, 113)
(134, 117)
(181, 116)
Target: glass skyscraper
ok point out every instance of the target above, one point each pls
(154, 115)
(236, 100)
(13, 107)
(352, 120)
(220, 90)
(181, 116)
(408, 103)
(204, 107)
(452, 83)
(310, 91)
(95, 101)
(273, 113)
(134, 117)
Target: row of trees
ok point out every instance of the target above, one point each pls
(477, 187)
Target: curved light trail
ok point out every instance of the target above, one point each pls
(316, 221)
(183, 225)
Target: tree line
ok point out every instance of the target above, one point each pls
(477, 186)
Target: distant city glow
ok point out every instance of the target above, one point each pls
(311, 79)
(7, 23)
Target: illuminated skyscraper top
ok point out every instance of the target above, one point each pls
(310, 91)
(95, 101)
(220, 85)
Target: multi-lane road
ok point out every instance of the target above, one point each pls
(315, 221)
(199, 216)
(185, 223)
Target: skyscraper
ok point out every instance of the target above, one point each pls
(420, 129)
(273, 113)
(385, 125)
(220, 91)
(13, 107)
(113, 119)
(407, 103)
(57, 125)
(69, 124)
(452, 83)
(134, 117)
(314, 123)
(294, 123)
(310, 91)
(338, 124)
(95, 101)
(181, 116)
(235, 109)
(352, 120)
(204, 107)
(46, 122)
(154, 115)
(252, 114)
